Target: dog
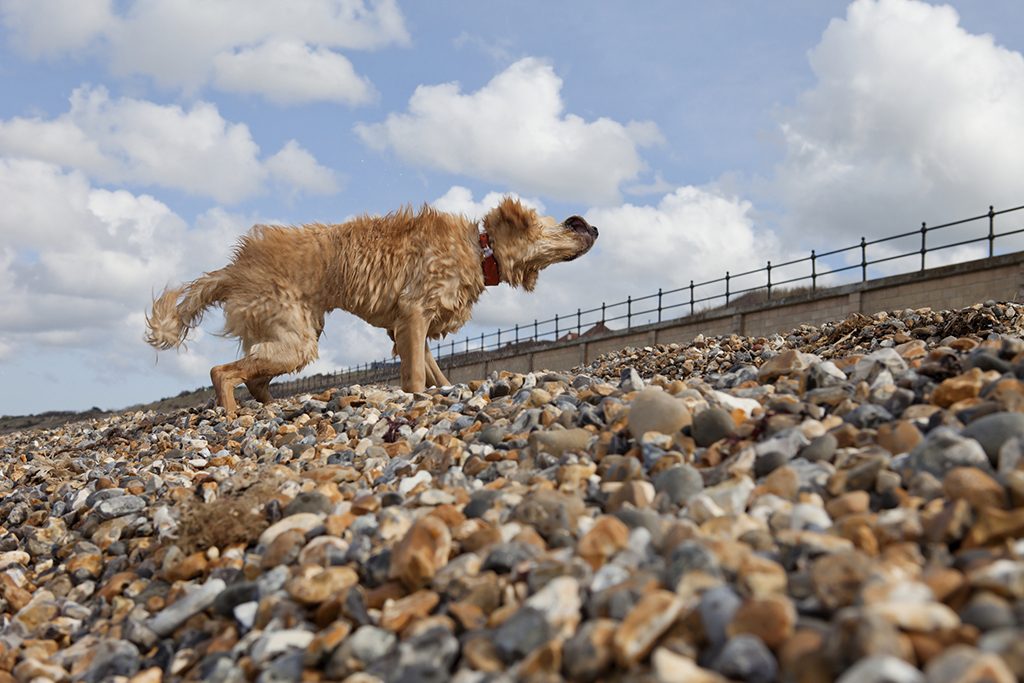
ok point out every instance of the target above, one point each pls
(417, 275)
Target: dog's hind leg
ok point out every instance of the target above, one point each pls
(228, 376)
(411, 342)
(265, 360)
(434, 374)
(259, 388)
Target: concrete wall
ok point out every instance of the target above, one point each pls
(963, 284)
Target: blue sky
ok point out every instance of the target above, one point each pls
(140, 138)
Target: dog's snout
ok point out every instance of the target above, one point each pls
(580, 225)
(594, 228)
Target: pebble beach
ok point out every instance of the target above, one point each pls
(842, 502)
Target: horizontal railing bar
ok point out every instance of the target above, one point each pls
(838, 270)
(837, 251)
(894, 258)
(901, 236)
(795, 261)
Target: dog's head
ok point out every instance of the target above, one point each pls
(525, 243)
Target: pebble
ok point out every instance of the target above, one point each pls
(193, 602)
(679, 483)
(654, 410)
(881, 669)
(712, 425)
(644, 624)
(424, 549)
(746, 658)
(838, 502)
(992, 431)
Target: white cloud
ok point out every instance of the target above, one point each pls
(295, 167)
(912, 119)
(47, 28)
(689, 234)
(79, 263)
(186, 44)
(290, 72)
(514, 131)
(79, 266)
(460, 200)
(138, 142)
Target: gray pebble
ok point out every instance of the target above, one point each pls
(712, 425)
(821, 448)
(119, 507)
(309, 501)
(679, 483)
(717, 607)
(167, 620)
(521, 633)
(943, 449)
(747, 658)
(992, 431)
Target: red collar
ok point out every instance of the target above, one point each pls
(492, 276)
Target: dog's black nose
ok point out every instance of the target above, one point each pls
(596, 233)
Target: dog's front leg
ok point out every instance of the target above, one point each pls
(434, 374)
(410, 341)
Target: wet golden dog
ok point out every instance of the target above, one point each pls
(415, 274)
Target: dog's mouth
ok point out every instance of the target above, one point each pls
(583, 229)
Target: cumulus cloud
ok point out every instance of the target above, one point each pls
(459, 199)
(75, 252)
(259, 46)
(138, 142)
(296, 168)
(79, 263)
(688, 234)
(912, 119)
(291, 72)
(514, 131)
(48, 28)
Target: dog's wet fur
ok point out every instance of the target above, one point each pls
(417, 275)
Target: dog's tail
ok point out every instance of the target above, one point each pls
(170, 320)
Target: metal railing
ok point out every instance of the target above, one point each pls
(668, 304)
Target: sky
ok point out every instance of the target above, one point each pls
(140, 138)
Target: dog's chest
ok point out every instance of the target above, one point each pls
(450, 305)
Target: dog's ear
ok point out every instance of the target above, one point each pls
(510, 215)
(530, 279)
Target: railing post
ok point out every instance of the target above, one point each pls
(659, 304)
(556, 327)
(727, 288)
(691, 297)
(535, 329)
(481, 341)
(991, 231)
(863, 260)
(924, 249)
(499, 337)
(452, 354)
(769, 280)
(467, 344)
(517, 334)
(579, 323)
(602, 313)
(629, 312)
(814, 272)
